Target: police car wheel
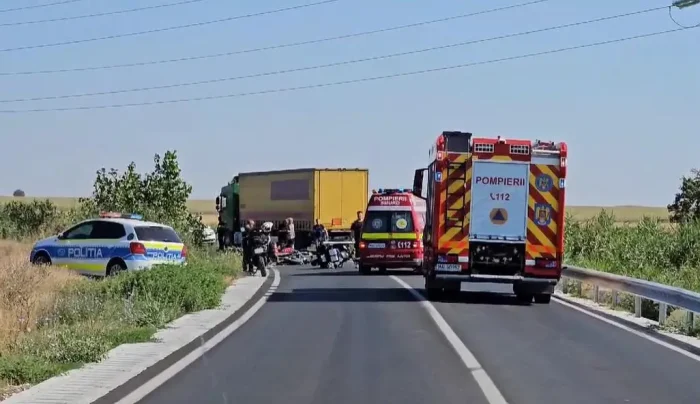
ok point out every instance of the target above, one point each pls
(42, 259)
(115, 267)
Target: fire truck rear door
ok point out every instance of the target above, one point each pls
(499, 200)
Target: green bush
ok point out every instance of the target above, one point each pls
(160, 196)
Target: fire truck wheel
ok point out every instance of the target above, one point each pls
(433, 294)
(543, 298)
(365, 269)
(433, 291)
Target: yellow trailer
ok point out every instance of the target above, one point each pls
(331, 196)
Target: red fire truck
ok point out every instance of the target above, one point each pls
(495, 214)
(392, 231)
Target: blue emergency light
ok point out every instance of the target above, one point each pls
(392, 190)
(117, 215)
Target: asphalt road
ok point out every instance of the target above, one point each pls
(335, 337)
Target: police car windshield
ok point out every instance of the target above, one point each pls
(382, 221)
(157, 233)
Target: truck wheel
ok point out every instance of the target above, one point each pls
(524, 297)
(543, 298)
(382, 270)
(433, 291)
(452, 289)
(365, 269)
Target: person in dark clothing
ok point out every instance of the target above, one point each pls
(356, 228)
(320, 234)
(247, 256)
(282, 234)
(221, 232)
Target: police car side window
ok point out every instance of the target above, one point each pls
(80, 232)
(107, 230)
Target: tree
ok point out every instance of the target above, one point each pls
(160, 195)
(686, 205)
(18, 193)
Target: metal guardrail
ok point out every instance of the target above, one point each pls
(663, 294)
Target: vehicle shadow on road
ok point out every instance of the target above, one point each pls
(397, 294)
(480, 298)
(353, 272)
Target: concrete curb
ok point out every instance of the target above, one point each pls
(128, 366)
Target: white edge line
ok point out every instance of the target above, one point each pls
(563, 301)
(488, 387)
(151, 385)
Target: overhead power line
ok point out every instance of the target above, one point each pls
(274, 47)
(344, 82)
(335, 64)
(172, 28)
(55, 3)
(79, 17)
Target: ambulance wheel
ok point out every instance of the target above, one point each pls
(115, 266)
(543, 298)
(365, 269)
(41, 259)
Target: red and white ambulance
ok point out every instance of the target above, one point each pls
(392, 234)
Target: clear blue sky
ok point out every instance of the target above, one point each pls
(629, 111)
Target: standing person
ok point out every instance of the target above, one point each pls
(290, 232)
(247, 231)
(319, 232)
(356, 228)
(282, 234)
(221, 232)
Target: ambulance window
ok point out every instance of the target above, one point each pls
(376, 222)
(401, 222)
(388, 222)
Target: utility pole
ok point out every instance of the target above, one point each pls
(685, 3)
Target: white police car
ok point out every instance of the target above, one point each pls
(112, 243)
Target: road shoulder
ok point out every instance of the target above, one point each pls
(128, 366)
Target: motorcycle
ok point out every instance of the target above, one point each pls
(261, 244)
(332, 254)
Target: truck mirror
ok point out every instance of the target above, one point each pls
(218, 202)
(418, 182)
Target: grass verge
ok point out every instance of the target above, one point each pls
(649, 249)
(52, 320)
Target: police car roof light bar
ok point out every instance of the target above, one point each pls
(117, 215)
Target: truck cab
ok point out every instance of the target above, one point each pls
(495, 214)
(392, 231)
(228, 209)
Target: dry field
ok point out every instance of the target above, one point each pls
(206, 208)
(27, 292)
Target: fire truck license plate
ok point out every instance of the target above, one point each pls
(449, 267)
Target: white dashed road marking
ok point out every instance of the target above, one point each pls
(488, 387)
